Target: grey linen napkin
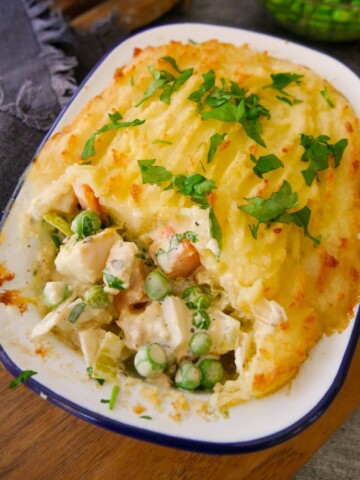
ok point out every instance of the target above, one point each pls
(41, 62)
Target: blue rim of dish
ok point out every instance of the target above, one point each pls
(162, 439)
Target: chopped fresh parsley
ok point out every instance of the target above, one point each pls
(153, 174)
(165, 81)
(132, 81)
(112, 281)
(287, 100)
(176, 239)
(145, 256)
(318, 152)
(114, 393)
(275, 209)
(23, 377)
(215, 141)
(159, 140)
(230, 104)
(207, 85)
(56, 240)
(146, 417)
(265, 164)
(325, 94)
(195, 186)
(172, 62)
(215, 228)
(89, 148)
(89, 371)
(76, 312)
(190, 40)
(283, 80)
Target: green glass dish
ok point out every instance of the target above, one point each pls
(329, 20)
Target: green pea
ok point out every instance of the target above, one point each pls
(201, 319)
(200, 343)
(211, 370)
(188, 376)
(86, 223)
(157, 286)
(95, 297)
(150, 360)
(341, 15)
(197, 297)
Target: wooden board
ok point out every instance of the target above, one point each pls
(39, 441)
(132, 14)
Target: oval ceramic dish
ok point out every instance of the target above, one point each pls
(61, 378)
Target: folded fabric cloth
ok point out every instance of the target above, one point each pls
(41, 62)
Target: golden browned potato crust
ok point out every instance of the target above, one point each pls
(318, 286)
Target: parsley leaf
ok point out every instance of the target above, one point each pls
(324, 93)
(190, 40)
(274, 209)
(151, 173)
(89, 371)
(230, 104)
(300, 218)
(165, 81)
(172, 62)
(208, 84)
(317, 153)
(287, 100)
(195, 185)
(227, 112)
(266, 210)
(283, 80)
(160, 79)
(265, 164)
(89, 148)
(164, 142)
(176, 239)
(215, 228)
(22, 377)
(215, 141)
(146, 417)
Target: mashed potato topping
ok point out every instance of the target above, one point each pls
(219, 168)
